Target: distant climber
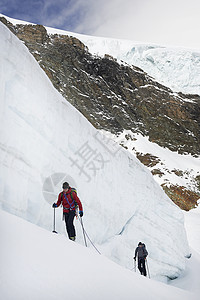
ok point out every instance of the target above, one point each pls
(141, 253)
(70, 201)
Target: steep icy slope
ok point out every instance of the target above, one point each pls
(43, 138)
(32, 267)
(38, 271)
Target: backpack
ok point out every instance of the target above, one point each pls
(145, 250)
(71, 194)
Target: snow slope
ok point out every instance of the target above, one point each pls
(170, 163)
(192, 224)
(177, 68)
(44, 141)
(37, 264)
(190, 279)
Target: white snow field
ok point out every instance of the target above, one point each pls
(175, 67)
(190, 279)
(44, 140)
(192, 225)
(38, 264)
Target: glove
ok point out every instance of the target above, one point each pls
(54, 205)
(134, 258)
(81, 213)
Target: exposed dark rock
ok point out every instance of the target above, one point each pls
(182, 197)
(198, 184)
(157, 172)
(178, 172)
(148, 159)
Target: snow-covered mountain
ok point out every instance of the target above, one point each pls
(175, 67)
(157, 125)
(45, 140)
(36, 264)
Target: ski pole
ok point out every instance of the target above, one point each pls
(54, 221)
(147, 268)
(134, 266)
(83, 232)
(90, 239)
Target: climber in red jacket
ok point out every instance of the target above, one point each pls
(69, 199)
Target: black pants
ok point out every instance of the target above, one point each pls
(141, 266)
(69, 219)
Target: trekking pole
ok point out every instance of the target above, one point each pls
(135, 265)
(92, 243)
(135, 262)
(147, 268)
(83, 232)
(54, 221)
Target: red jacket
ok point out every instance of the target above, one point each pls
(69, 202)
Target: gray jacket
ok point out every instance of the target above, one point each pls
(141, 252)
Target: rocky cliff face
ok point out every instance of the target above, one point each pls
(117, 97)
